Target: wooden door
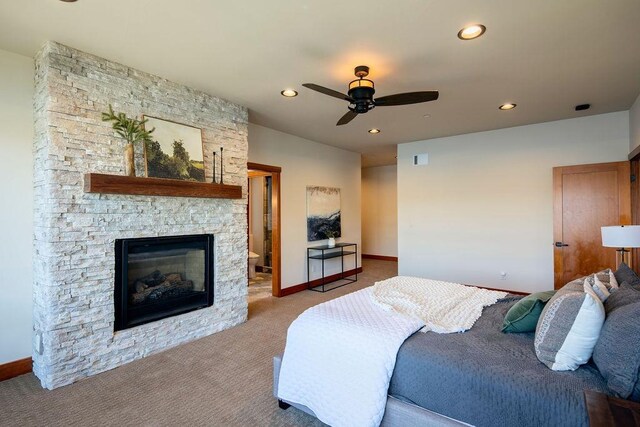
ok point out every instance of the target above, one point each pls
(587, 197)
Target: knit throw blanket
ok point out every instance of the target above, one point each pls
(444, 307)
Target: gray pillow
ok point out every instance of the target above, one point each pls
(617, 353)
(605, 277)
(576, 285)
(626, 274)
(600, 289)
(569, 327)
(625, 295)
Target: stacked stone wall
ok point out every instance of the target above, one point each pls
(75, 232)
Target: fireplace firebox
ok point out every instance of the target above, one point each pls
(159, 277)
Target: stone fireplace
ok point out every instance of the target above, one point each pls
(79, 236)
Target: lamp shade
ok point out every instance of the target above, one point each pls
(621, 236)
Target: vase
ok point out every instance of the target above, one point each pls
(129, 160)
(332, 242)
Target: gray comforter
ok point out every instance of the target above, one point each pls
(487, 378)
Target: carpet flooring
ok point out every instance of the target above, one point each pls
(222, 380)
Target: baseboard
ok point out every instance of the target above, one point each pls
(15, 368)
(303, 286)
(503, 290)
(380, 257)
(293, 289)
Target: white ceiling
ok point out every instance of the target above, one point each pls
(545, 55)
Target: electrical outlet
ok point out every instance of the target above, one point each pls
(503, 275)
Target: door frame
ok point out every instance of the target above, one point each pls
(624, 204)
(634, 158)
(276, 256)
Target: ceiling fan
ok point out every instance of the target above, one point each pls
(360, 96)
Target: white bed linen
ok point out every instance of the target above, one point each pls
(444, 307)
(339, 359)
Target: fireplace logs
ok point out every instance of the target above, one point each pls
(156, 286)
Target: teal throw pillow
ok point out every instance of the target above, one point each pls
(524, 315)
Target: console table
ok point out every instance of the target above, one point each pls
(323, 253)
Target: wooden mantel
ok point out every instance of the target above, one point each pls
(120, 184)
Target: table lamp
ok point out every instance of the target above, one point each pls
(621, 237)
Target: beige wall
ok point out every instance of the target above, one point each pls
(16, 216)
(483, 205)
(380, 211)
(634, 125)
(306, 163)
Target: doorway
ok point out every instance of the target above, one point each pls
(263, 222)
(587, 197)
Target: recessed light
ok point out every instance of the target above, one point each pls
(68, 1)
(583, 107)
(289, 93)
(508, 106)
(471, 32)
(374, 131)
(426, 116)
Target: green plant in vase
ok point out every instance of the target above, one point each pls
(131, 130)
(331, 235)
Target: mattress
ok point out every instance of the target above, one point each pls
(486, 378)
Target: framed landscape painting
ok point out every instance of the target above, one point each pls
(175, 152)
(323, 213)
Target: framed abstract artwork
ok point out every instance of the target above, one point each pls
(323, 213)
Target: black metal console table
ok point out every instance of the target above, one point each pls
(325, 252)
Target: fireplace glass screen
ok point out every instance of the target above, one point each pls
(161, 277)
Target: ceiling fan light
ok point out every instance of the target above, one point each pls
(361, 83)
(471, 32)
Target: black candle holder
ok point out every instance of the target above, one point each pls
(221, 167)
(214, 168)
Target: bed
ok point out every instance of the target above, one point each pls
(482, 377)
(485, 377)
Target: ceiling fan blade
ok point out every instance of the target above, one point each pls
(350, 115)
(328, 91)
(407, 98)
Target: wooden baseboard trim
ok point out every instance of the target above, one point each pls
(303, 286)
(15, 368)
(503, 290)
(292, 289)
(380, 257)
